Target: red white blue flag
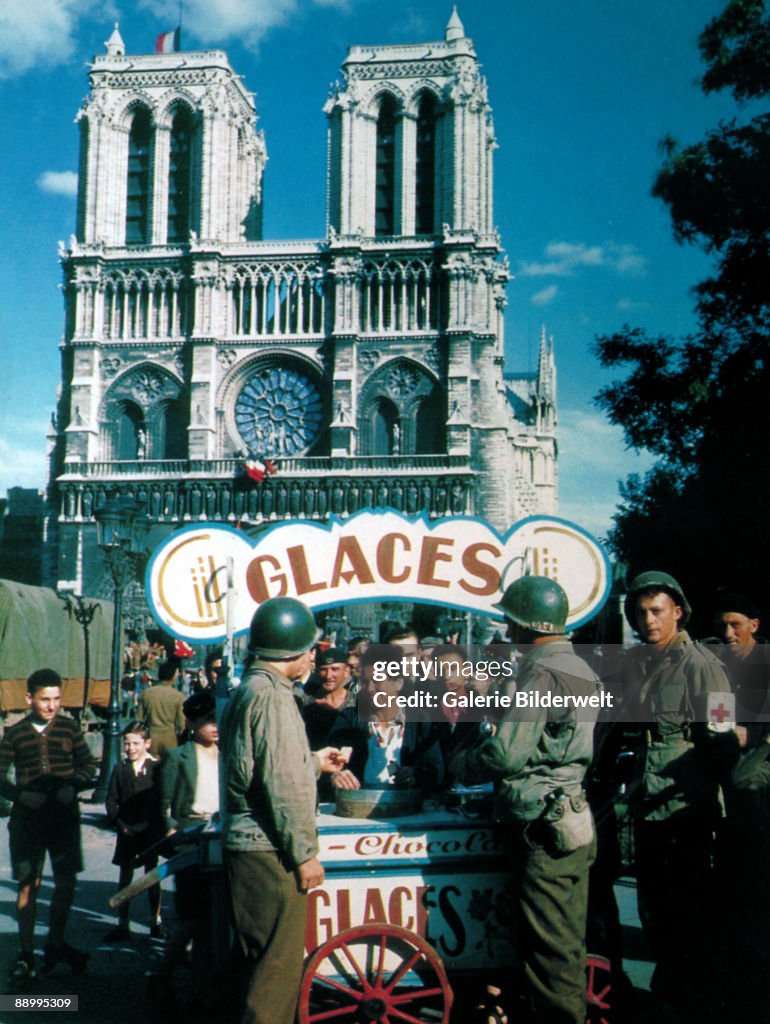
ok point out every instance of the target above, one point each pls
(168, 42)
(258, 469)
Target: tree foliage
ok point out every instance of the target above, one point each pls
(700, 403)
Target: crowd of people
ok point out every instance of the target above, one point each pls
(685, 737)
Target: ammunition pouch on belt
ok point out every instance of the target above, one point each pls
(568, 821)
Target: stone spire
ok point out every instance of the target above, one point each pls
(546, 371)
(454, 29)
(115, 45)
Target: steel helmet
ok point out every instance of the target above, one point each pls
(663, 582)
(282, 627)
(537, 603)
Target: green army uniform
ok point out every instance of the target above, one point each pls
(536, 753)
(161, 708)
(675, 803)
(269, 830)
(269, 813)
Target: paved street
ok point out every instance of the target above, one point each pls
(114, 986)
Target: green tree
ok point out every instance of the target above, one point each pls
(701, 404)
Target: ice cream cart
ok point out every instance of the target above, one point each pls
(410, 907)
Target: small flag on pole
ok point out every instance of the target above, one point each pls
(168, 42)
(182, 649)
(257, 469)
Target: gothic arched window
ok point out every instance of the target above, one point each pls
(179, 177)
(385, 186)
(385, 428)
(402, 411)
(130, 432)
(145, 416)
(138, 182)
(425, 167)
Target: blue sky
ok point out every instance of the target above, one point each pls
(582, 93)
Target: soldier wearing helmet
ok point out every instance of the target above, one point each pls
(666, 683)
(538, 759)
(270, 838)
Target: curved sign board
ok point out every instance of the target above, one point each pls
(459, 562)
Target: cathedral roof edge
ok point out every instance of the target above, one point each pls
(163, 61)
(438, 50)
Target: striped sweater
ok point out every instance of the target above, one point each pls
(57, 753)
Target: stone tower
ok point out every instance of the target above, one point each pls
(367, 365)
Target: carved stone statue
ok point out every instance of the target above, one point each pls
(395, 448)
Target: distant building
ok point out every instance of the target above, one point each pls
(21, 536)
(368, 364)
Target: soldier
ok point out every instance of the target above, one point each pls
(161, 707)
(743, 842)
(269, 829)
(746, 658)
(667, 682)
(539, 757)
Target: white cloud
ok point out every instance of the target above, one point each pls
(40, 33)
(545, 296)
(58, 183)
(626, 260)
(594, 513)
(22, 466)
(563, 259)
(630, 305)
(217, 21)
(592, 459)
(588, 440)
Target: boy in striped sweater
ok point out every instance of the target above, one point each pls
(52, 764)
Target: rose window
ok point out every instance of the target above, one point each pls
(278, 412)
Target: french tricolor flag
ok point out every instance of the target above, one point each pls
(256, 469)
(168, 42)
(182, 649)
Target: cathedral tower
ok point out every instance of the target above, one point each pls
(367, 365)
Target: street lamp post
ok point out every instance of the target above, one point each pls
(121, 530)
(83, 614)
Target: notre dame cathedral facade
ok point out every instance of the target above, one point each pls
(367, 365)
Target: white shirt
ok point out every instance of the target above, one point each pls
(385, 742)
(206, 800)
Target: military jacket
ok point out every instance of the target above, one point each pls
(666, 697)
(269, 771)
(537, 750)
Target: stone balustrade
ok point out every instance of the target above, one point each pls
(186, 498)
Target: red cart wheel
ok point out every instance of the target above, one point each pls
(375, 974)
(598, 986)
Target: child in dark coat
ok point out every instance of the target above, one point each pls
(133, 807)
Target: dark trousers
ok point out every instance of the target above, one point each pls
(550, 893)
(743, 913)
(269, 916)
(675, 890)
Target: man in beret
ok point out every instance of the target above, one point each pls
(327, 694)
(746, 657)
